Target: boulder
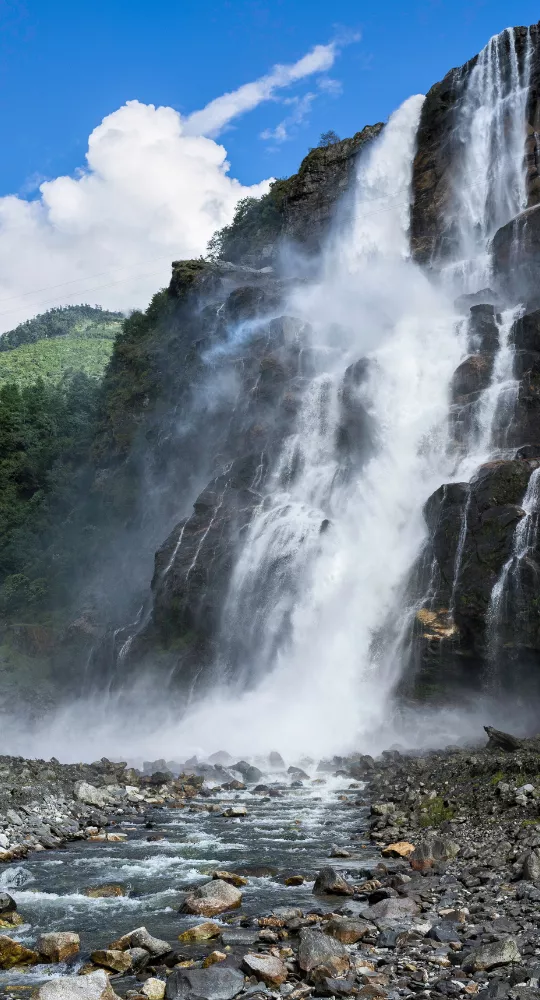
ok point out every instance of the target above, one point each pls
(250, 774)
(154, 989)
(531, 866)
(243, 936)
(140, 938)
(139, 958)
(112, 958)
(13, 953)
(297, 772)
(94, 986)
(489, 956)
(104, 891)
(235, 812)
(431, 850)
(212, 898)
(212, 958)
(338, 852)
(401, 849)
(201, 932)
(321, 951)
(348, 930)
(91, 795)
(395, 910)
(276, 760)
(328, 880)
(56, 946)
(269, 968)
(216, 983)
(7, 904)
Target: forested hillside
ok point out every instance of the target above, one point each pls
(59, 342)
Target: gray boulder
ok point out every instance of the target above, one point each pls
(318, 950)
(329, 880)
(212, 898)
(216, 983)
(141, 938)
(489, 956)
(531, 866)
(395, 910)
(94, 986)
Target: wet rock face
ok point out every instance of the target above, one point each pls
(516, 258)
(471, 536)
(472, 527)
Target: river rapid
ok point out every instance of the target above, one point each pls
(290, 832)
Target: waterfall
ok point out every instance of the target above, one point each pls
(490, 184)
(314, 618)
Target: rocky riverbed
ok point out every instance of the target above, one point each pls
(411, 874)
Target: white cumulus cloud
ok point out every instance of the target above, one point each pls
(155, 188)
(211, 119)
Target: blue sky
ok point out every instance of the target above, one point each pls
(65, 65)
(131, 129)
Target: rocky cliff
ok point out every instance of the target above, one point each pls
(480, 625)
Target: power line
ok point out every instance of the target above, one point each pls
(96, 288)
(87, 277)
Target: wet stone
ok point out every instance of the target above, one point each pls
(212, 898)
(319, 949)
(329, 880)
(269, 968)
(215, 983)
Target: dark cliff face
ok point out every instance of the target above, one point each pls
(297, 212)
(313, 193)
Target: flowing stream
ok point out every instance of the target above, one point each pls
(292, 834)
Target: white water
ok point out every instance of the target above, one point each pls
(490, 186)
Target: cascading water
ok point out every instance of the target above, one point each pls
(490, 185)
(321, 613)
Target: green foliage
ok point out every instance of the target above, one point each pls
(52, 360)
(495, 778)
(257, 222)
(82, 321)
(132, 379)
(45, 436)
(434, 812)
